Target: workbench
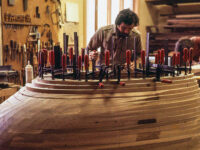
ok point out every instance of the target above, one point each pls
(5, 93)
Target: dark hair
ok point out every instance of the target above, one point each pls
(183, 42)
(128, 17)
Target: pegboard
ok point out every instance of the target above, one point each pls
(41, 14)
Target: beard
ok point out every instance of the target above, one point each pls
(122, 35)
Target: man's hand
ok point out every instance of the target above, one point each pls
(93, 55)
(132, 66)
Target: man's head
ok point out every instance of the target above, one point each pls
(126, 20)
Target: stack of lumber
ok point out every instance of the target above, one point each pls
(190, 21)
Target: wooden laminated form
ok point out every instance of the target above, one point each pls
(77, 115)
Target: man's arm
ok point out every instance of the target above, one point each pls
(138, 45)
(96, 41)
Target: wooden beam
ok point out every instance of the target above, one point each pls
(121, 4)
(136, 6)
(167, 2)
(1, 42)
(96, 15)
(108, 12)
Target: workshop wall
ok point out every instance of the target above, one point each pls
(19, 19)
(148, 17)
(70, 27)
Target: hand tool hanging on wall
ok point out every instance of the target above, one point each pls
(15, 50)
(25, 5)
(6, 52)
(25, 54)
(20, 52)
(37, 14)
(11, 48)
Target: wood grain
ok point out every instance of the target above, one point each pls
(59, 115)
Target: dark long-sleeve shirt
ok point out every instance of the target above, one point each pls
(106, 38)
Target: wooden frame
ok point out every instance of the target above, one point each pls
(96, 15)
(108, 12)
(121, 6)
(1, 40)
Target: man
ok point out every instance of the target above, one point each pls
(117, 38)
(188, 42)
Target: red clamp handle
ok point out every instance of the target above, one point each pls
(45, 56)
(86, 62)
(71, 54)
(128, 57)
(51, 58)
(166, 81)
(185, 54)
(101, 85)
(79, 62)
(162, 56)
(191, 54)
(107, 57)
(64, 61)
(143, 57)
(122, 83)
(178, 60)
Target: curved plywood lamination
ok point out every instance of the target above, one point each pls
(142, 115)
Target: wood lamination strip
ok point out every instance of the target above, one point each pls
(132, 117)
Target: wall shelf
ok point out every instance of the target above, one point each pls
(171, 2)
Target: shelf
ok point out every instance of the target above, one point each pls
(20, 24)
(170, 2)
(182, 27)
